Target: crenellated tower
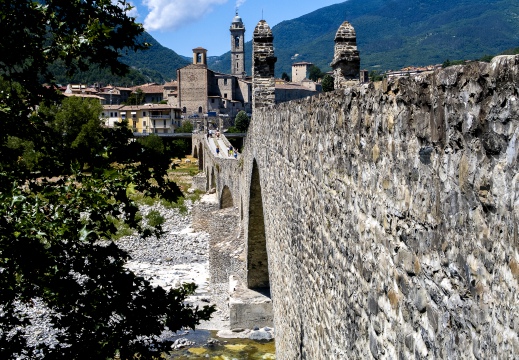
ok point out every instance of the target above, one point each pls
(263, 61)
(346, 58)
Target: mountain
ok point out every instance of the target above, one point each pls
(392, 34)
(157, 58)
(156, 64)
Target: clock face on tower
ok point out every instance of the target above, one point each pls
(191, 77)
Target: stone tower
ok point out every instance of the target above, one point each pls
(263, 61)
(346, 58)
(200, 56)
(237, 46)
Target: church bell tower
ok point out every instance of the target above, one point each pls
(237, 46)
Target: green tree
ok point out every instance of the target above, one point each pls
(53, 216)
(137, 97)
(285, 76)
(153, 142)
(314, 73)
(375, 75)
(186, 127)
(327, 83)
(77, 124)
(242, 121)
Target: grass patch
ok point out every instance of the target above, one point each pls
(155, 219)
(180, 204)
(123, 229)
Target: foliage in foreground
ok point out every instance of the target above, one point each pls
(63, 181)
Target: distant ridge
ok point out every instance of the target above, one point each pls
(157, 58)
(392, 34)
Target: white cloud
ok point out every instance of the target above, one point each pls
(173, 14)
(132, 13)
(240, 3)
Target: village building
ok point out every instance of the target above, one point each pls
(201, 90)
(114, 95)
(145, 119)
(153, 93)
(300, 71)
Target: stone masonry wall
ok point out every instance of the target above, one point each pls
(227, 247)
(391, 216)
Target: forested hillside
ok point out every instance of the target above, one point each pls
(156, 64)
(395, 33)
(391, 34)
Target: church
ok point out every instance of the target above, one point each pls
(202, 91)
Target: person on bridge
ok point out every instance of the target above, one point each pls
(217, 151)
(235, 154)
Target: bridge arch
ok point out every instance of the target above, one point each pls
(201, 157)
(226, 198)
(213, 179)
(257, 256)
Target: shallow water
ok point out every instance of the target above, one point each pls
(229, 349)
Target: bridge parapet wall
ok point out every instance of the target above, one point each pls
(220, 216)
(391, 216)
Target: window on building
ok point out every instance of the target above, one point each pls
(164, 122)
(144, 113)
(212, 100)
(184, 109)
(200, 109)
(123, 115)
(144, 123)
(225, 95)
(225, 81)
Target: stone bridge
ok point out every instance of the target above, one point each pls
(379, 220)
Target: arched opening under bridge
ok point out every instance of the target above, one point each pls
(226, 198)
(257, 256)
(201, 157)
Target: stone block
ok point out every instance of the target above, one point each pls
(432, 315)
(407, 261)
(249, 308)
(421, 300)
(373, 308)
(374, 346)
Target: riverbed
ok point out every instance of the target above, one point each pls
(180, 256)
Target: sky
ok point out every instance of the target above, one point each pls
(183, 25)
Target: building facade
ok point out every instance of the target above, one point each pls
(146, 119)
(300, 71)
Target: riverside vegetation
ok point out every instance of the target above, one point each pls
(63, 181)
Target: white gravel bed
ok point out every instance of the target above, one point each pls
(179, 256)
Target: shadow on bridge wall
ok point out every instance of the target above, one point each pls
(390, 216)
